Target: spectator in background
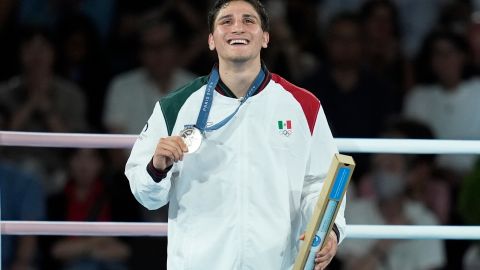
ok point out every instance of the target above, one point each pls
(290, 51)
(448, 102)
(390, 178)
(433, 187)
(131, 95)
(383, 52)
(81, 61)
(303, 19)
(186, 15)
(417, 19)
(38, 100)
(22, 198)
(86, 197)
(356, 101)
(425, 183)
(190, 31)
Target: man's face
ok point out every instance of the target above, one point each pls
(237, 34)
(37, 54)
(344, 44)
(447, 61)
(158, 53)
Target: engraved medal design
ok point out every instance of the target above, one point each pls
(192, 138)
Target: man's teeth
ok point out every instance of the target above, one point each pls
(238, 41)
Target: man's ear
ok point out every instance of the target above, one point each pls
(211, 42)
(266, 39)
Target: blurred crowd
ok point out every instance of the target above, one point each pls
(381, 69)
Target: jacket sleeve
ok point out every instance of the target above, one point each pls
(322, 150)
(148, 192)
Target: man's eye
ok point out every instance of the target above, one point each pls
(249, 21)
(226, 22)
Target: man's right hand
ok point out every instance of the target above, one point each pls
(169, 150)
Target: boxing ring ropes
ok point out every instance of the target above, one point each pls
(75, 140)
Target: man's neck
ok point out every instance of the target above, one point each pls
(239, 77)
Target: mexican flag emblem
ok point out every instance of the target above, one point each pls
(285, 127)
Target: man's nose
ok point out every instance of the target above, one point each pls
(237, 26)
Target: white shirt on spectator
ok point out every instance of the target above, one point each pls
(131, 97)
(452, 114)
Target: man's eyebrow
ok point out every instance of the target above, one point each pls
(229, 16)
(250, 16)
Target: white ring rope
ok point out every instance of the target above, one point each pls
(83, 228)
(399, 146)
(160, 229)
(413, 232)
(75, 140)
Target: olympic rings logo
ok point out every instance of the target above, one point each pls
(286, 132)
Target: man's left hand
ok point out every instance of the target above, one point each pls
(326, 254)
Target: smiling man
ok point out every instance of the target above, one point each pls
(240, 155)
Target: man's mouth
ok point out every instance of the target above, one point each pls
(238, 42)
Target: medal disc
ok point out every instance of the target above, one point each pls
(192, 138)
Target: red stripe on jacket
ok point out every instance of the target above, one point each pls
(310, 104)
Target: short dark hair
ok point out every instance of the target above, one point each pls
(426, 74)
(153, 20)
(257, 5)
(29, 32)
(342, 17)
(368, 8)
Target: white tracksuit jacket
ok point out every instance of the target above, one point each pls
(242, 200)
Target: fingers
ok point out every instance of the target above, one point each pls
(326, 254)
(169, 150)
(302, 237)
(321, 262)
(320, 266)
(172, 148)
(326, 250)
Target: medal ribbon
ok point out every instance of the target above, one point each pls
(208, 100)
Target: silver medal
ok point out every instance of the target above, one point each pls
(192, 138)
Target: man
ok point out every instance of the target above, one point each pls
(451, 96)
(344, 82)
(242, 191)
(131, 95)
(39, 100)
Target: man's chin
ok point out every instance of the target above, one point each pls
(238, 59)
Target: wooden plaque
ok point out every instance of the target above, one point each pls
(331, 195)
